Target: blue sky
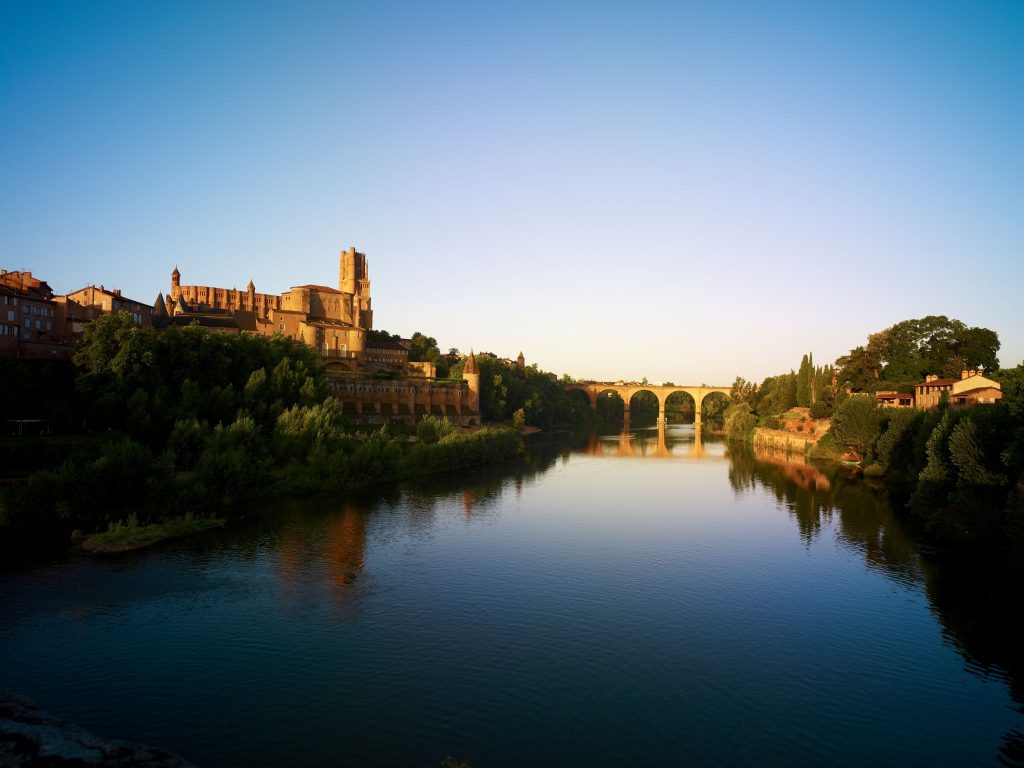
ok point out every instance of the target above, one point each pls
(683, 191)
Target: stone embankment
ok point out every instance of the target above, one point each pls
(31, 737)
(780, 439)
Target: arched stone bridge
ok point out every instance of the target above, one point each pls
(626, 391)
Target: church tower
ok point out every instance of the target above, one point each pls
(354, 282)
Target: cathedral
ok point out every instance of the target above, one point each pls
(333, 321)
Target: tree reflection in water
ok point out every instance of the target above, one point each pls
(976, 601)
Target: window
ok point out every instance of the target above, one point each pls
(10, 315)
(49, 325)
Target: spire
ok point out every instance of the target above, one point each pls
(251, 288)
(471, 364)
(521, 360)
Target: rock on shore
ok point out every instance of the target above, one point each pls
(29, 737)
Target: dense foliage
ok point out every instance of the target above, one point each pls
(810, 386)
(506, 387)
(192, 421)
(900, 356)
(142, 382)
(960, 470)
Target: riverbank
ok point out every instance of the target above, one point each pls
(157, 500)
(29, 736)
(130, 536)
(779, 439)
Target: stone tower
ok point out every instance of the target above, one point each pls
(175, 283)
(354, 281)
(471, 375)
(521, 360)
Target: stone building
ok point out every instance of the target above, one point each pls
(36, 324)
(893, 399)
(30, 322)
(972, 388)
(333, 321)
(86, 304)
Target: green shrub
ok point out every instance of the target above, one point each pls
(856, 422)
(820, 410)
(739, 421)
(432, 429)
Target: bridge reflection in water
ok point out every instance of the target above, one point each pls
(674, 441)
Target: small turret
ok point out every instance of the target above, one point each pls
(159, 311)
(175, 277)
(471, 375)
(521, 360)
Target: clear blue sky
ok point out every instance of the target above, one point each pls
(684, 191)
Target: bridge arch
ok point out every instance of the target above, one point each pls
(626, 392)
(714, 403)
(587, 391)
(632, 392)
(682, 402)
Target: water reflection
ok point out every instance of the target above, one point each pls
(674, 441)
(814, 499)
(978, 604)
(508, 574)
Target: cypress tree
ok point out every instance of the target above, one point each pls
(803, 380)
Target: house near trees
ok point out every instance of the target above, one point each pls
(971, 389)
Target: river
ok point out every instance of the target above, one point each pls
(643, 599)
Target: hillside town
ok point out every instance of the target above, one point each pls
(38, 323)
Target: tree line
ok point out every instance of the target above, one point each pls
(186, 421)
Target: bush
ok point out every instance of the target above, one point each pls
(519, 418)
(820, 410)
(432, 429)
(897, 426)
(739, 421)
(856, 422)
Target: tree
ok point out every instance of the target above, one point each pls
(743, 391)
(855, 423)
(907, 351)
(378, 334)
(859, 370)
(423, 349)
(739, 421)
(803, 383)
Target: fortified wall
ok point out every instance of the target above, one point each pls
(379, 401)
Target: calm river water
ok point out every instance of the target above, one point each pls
(636, 600)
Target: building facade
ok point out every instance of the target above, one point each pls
(971, 389)
(30, 322)
(333, 321)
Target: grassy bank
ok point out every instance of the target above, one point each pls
(125, 537)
